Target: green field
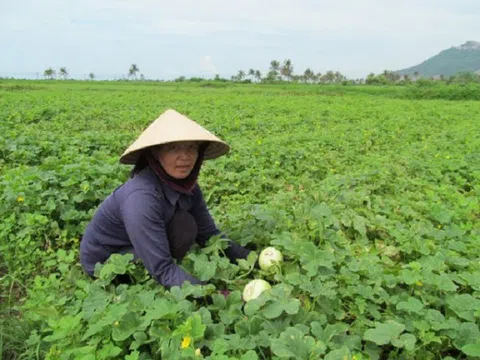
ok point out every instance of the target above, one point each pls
(371, 195)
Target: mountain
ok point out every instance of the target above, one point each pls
(463, 58)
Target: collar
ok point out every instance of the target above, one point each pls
(171, 195)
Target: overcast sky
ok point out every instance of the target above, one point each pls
(167, 39)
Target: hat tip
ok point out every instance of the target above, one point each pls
(169, 110)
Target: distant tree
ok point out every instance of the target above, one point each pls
(63, 72)
(133, 71)
(328, 77)
(142, 77)
(273, 70)
(416, 74)
(258, 75)
(287, 69)
(251, 73)
(240, 75)
(373, 79)
(271, 76)
(274, 65)
(91, 76)
(49, 73)
(296, 78)
(465, 78)
(308, 75)
(339, 77)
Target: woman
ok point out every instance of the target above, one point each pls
(160, 212)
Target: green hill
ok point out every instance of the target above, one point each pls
(463, 58)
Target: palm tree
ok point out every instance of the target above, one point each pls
(251, 73)
(133, 70)
(274, 69)
(50, 73)
(339, 77)
(64, 72)
(287, 69)
(328, 77)
(308, 75)
(258, 75)
(91, 76)
(274, 65)
(240, 75)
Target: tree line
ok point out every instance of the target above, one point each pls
(284, 72)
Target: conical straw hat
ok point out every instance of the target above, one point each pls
(172, 126)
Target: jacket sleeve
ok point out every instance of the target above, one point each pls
(207, 228)
(143, 219)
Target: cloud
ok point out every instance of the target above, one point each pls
(346, 35)
(206, 65)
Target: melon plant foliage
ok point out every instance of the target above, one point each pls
(371, 198)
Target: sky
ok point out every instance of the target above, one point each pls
(167, 39)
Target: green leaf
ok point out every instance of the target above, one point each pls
(472, 349)
(86, 357)
(329, 332)
(115, 264)
(198, 328)
(140, 339)
(249, 355)
(339, 354)
(64, 328)
(360, 224)
(126, 327)
(410, 277)
(317, 288)
(412, 305)
(406, 341)
(467, 333)
(293, 343)
(160, 332)
(192, 326)
(161, 309)
(444, 283)
(464, 305)
(384, 333)
(109, 351)
(134, 355)
(214, 331)
(275, 308)
(249, 326)
(312, 258)
(205, 269)
(473, 279)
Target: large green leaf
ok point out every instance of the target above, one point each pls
(384, 333)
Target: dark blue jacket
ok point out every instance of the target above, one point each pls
(133, 219)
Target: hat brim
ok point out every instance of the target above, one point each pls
(213, 150)
(170, 127)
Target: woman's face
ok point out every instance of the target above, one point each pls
(178, 158)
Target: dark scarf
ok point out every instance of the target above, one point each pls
(184, 186)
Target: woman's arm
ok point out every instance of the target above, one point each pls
(207, 228)
(142, 216)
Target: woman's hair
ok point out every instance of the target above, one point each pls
(140, 164)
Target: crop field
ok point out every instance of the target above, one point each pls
(373, 198)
